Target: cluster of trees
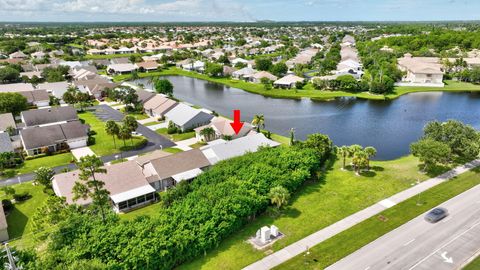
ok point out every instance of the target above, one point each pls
(444, 143)
(124, 131)
(127, 95)
(468, 75)
(265, 64)
(360, 156)
(198, 216)
(55, 74)
(10, 74)
(13, 103)
(163, 86)
(74, 96)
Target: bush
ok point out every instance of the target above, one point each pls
(20, 197)
(7, 205)
(90, 140)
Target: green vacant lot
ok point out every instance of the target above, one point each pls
(31, 165)
(315, 206)
(104, 143)
(308, 91)
(345, 243)
(20, 219)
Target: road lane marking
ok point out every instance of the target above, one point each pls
(446, 244)
(409, 242)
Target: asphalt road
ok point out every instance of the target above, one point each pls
(418, 244)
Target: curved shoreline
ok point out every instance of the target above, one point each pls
(309, 91)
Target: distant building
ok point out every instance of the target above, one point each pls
(421, 71)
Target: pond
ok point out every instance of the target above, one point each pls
(389, 126)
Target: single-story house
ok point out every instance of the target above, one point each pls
(39, 98)
(3, 226)
(187, 118)
(288, 81)
(198, 66)
(165, 172)
(144, 96)
(31, 74)
(121, 68)
(222, 128)
(257, 77)
(52, 115)
(158, 106)
(228, 71)
(18, 55)
(16, 87)
(244, 73)
(6, 143)
(120, 60)
(6, 121)
(56, 137)
(420, 71)
(221, 150)
(56, 89)
(147, 66)
(125, 181)
(38, 55)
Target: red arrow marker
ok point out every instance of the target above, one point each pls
(236, 125)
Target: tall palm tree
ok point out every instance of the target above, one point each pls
(112, 129)
(359, 161)
(371, 152)
(124, 134)
(279, 196)
(343, 151)
(258, 121)
(207, 133)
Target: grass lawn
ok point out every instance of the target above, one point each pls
(316, 205)
(20, 219)
(172, 150)
(31, 165)
(474, 265)
(198, 145)
(308, 91)
(280, 139)
(137, 115)
(347, 242)
(104, 143)
(149, 210)
(152, 123)
(176, 136)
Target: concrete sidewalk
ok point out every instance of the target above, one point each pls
(316, 238)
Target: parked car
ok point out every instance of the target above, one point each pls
(134, 133)
(436, 215)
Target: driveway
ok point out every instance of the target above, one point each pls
(82, 152)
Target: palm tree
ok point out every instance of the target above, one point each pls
(112, 128)
(359, 160)
(258, 121)
(279, 196)
(371, 152)
(343, 151)
(292, 136)
(124, 134)
(352, 149)
(207, 133)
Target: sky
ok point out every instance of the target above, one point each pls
(237, 10)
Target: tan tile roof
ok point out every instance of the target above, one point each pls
(181, 162)
(119, 178)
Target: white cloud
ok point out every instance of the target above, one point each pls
(207, 9)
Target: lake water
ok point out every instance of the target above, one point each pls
(389, 126)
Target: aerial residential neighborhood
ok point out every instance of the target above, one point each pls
(255, 135)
